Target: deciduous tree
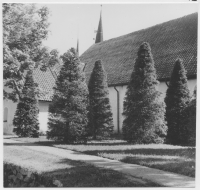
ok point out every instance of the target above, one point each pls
(25, 26)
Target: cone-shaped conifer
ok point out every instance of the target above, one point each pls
(144, 110)
(188, 128)
(177, 99)
(68, 109)
(100, 116)
(26, 116)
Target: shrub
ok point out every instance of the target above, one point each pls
(100, 115)
(16, 176)
(143, 109)
(68, 109)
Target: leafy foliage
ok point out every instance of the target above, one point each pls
(177, 99)
(24, 28)
(100, 115)
(68, 109)
(26, 115)
(143, 109)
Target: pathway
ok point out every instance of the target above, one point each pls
(18, 149)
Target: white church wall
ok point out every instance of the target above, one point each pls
(10, 108)
(43, 107)
(191, 84)
(113, 103)
(43, 115)
(122, 92)
(8, 121)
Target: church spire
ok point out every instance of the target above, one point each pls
(99, 36)
(77, 48)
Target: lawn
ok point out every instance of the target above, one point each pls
(84, 175)
(71, 173)
(170, 158)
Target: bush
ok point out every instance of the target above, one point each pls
(16, 176)
(143, 109)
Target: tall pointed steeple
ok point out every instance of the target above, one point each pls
(99, 36)
(77, 48)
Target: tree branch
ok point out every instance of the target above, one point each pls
(17, 89)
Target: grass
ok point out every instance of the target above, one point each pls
(84, 175)
(170, 158)
(71, 173)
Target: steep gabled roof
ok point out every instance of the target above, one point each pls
(169, 41)
(46, 82)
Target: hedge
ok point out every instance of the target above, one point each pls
(16, 176)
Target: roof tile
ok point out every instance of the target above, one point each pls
(169, 41)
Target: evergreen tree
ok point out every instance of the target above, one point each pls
(144, 111)
(188, 135)
(100, 116)
(68, 109)
(177, 99)
(26, 115)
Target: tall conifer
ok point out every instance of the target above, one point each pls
(101, 121)
(177, 99)
(26, 116)
(68, 109)
(188, 127)
(144, 111)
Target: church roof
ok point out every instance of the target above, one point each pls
(169, 41)
(46, 82)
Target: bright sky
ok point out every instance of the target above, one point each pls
(70, 21)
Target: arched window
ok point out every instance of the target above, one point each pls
(5, 118)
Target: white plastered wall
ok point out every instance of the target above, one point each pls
(122, 92)
(43, 107)
(8, 124)
(43, 115)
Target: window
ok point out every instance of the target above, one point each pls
(5, 118)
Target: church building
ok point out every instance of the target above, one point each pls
(169, 41)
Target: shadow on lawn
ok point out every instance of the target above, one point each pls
(42, 143)
(84, 175)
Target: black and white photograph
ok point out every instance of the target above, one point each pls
(100, 94)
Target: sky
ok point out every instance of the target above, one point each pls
(69, 22)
